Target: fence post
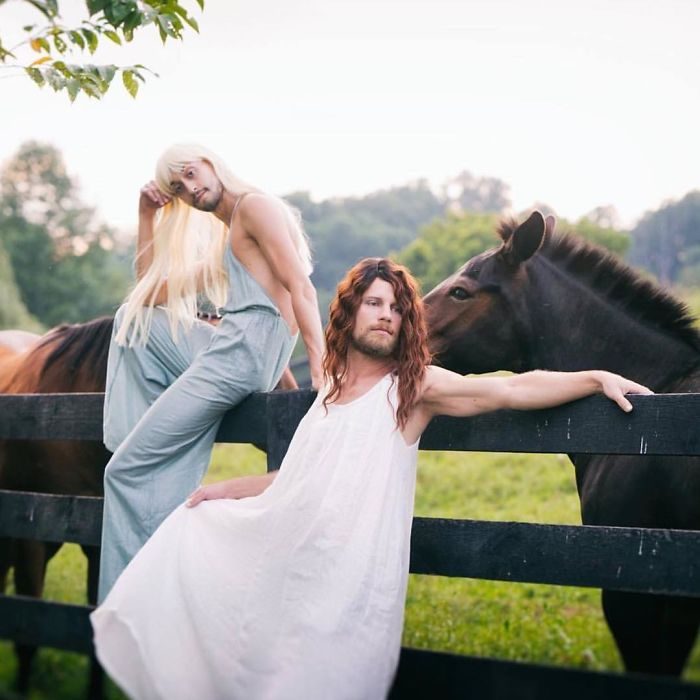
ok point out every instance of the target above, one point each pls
(284, 411)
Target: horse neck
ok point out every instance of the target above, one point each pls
(573, 326)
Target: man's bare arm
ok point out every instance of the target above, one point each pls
(447, 393)
(151, 199)
(265, 222)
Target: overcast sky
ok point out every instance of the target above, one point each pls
(576, 104)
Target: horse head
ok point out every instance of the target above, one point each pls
(476, 318)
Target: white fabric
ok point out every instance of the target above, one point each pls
(297, 594)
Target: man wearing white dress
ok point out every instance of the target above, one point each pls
(291, 585)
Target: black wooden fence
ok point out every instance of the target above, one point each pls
(630, 559)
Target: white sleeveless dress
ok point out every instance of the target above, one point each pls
(296, 594)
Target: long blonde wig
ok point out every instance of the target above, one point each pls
(188, 250)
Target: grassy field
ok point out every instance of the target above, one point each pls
(547, 624)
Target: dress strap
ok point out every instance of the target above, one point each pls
(236, 205)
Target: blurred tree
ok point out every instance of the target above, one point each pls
(345, 230)
(65, 262)
(13, 312)
(445, 244)
(466, 192)
(50, 41)
(666, 241)
(615, 241)
(600, 226)
(605, 216)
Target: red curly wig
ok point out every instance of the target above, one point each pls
(411, 354)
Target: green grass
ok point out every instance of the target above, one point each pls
(546, 624)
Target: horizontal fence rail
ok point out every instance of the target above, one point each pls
(627, 559)
(617, 558)
(663, 424)
(428, 674)
(47, 624)
(51, 518)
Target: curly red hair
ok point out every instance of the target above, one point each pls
(411, 354)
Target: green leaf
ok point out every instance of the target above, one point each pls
(193, 23)
(60, 45)
(138, 67)
(113, 36)
(91, 39)
(36, 76)
(73, 88)
(137, 74)
(77, 39)
(55, 79)
(93, 78)
(67, 71)
(165, 22)
(179, 10)
(106, 73)
(48, 8)
(130, 83)
(95, 6)
(135, 19)
(89, 88)
(4, 53)
(201, 4)
(117, 11)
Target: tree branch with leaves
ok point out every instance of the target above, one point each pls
(114, 20)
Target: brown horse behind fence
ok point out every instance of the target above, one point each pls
(70, 358)
(541, 301)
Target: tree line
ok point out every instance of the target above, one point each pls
(60, 263)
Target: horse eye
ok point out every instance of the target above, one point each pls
(459, 293)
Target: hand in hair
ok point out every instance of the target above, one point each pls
(152, 198)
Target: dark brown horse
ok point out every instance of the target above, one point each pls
(70, 358)
(541, 301)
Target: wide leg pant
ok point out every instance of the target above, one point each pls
(163, 407)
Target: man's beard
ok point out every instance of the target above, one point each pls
(209, 200)
(377, 349)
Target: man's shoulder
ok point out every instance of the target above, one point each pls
(260, 209)
(432, 375)
(257, 201)
(435, 381)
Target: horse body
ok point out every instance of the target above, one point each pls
(70, 358)
(544, 302)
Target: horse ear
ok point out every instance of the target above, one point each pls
(549, 223)
(526, 239)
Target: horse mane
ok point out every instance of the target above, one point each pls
(70, 347)
(620, 283)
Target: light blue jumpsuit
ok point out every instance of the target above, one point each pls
(163, 405)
